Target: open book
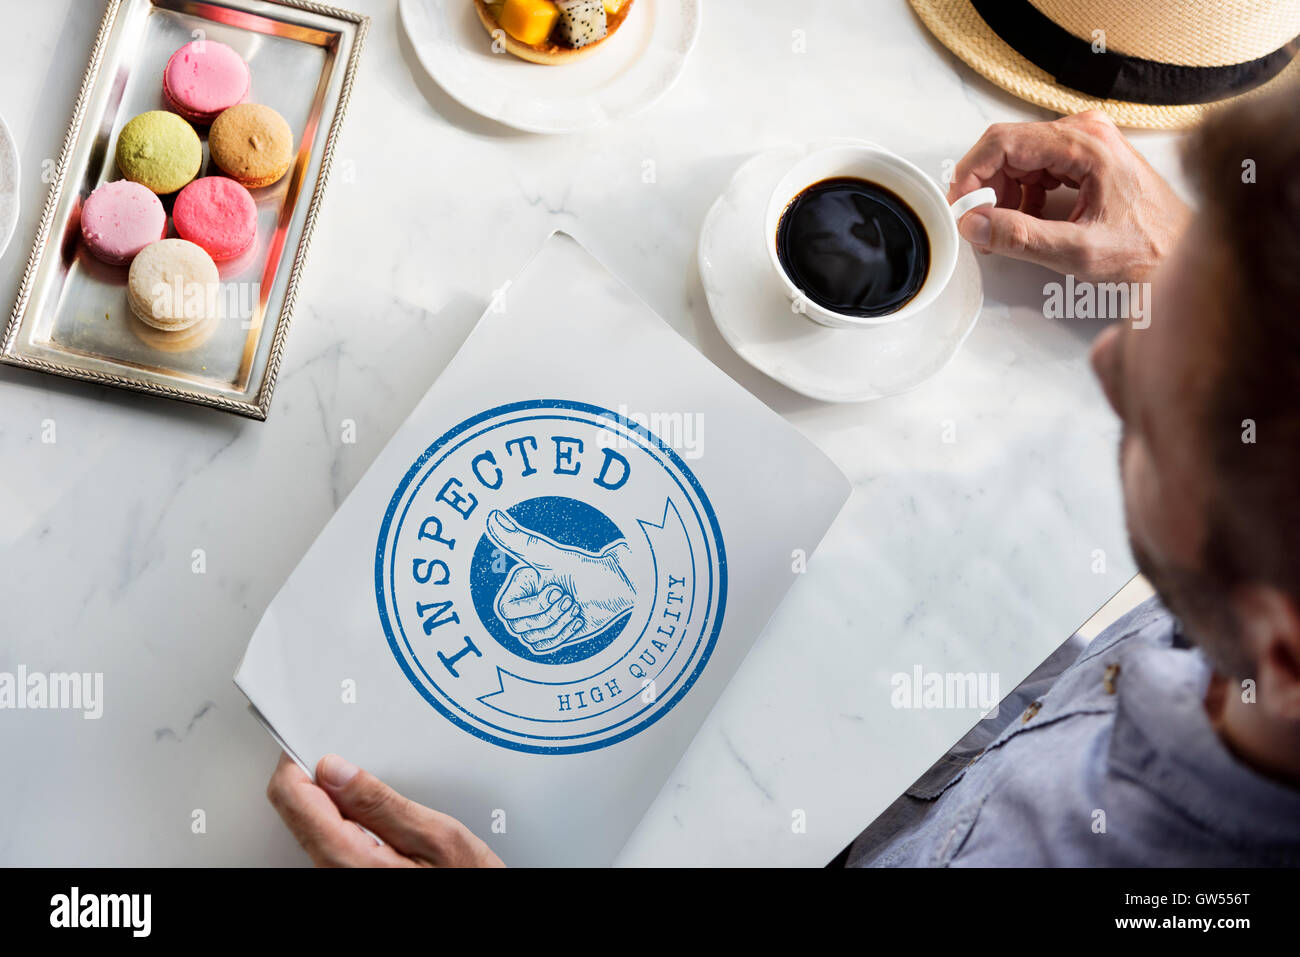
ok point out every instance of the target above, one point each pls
(527, 606)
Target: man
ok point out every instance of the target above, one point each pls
(1170, 740)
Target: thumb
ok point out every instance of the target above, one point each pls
(363, 798)
(525, 545)
(1009, 232)
(421, 833)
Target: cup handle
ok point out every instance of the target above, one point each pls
(984, 196)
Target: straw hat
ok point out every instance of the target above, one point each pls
(1158, 64)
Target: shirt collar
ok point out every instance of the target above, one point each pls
(1163, 739)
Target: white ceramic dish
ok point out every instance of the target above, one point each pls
(755, 317)
(630, 71)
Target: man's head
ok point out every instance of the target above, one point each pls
(1209, 396)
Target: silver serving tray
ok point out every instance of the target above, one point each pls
(71, 316)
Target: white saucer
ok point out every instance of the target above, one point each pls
(754, 315)
(633, 68)
(9, 177)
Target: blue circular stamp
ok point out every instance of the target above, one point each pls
(551, 576)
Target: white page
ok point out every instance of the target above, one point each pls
(422, 662)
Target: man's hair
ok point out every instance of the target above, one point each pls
(1245, 162)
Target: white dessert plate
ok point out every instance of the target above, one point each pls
(626, 74)
(755, 317)
(8, 185)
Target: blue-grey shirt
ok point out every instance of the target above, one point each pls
(1116, 764)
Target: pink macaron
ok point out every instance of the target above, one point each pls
(119, 219)
(203, 78)
(218, 214)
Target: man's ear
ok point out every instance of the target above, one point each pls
(1271, 620)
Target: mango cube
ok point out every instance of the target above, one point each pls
(529, 21)
(613, 6)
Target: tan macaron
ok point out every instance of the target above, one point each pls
(252, 144)
(173, 284)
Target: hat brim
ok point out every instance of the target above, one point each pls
(958, 26)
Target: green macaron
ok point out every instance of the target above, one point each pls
(160, 151)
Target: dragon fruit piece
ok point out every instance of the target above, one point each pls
(582, 22)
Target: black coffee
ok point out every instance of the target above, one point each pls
(853, 247)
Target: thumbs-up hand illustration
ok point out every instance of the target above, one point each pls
(557, 595)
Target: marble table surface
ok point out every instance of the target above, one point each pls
(984, 527)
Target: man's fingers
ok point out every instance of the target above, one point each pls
(527, 605)
(1010, 232)
(1064, 152)
(412, 829)
(543, 618)
(1008, 189)
(312, 818)
(1033, 200)
(1042, 179)
(565, 634)
(327, 819)
(549, 631)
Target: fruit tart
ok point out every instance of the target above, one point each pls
(552, 31)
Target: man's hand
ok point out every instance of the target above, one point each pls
(558, 595)
(327, 818)
(1125, 218)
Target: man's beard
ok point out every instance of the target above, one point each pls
(1204, 607)
(1202, 603)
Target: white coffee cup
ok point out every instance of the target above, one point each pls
(919, 191)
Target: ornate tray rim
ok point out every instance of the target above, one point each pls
(261, 407)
